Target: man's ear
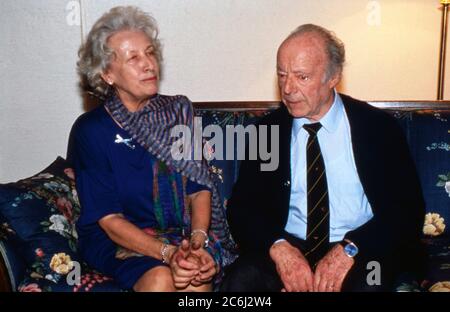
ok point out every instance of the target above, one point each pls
(334, 80)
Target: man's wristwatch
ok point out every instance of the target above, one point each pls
(350, 248)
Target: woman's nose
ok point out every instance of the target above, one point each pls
(148, 63)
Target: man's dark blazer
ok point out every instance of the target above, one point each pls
(258, 208)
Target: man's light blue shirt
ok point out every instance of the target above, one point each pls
(349, 207)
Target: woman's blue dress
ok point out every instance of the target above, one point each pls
(113, 175)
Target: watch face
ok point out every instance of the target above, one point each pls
(351, 250)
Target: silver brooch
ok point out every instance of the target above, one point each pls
(127, 142)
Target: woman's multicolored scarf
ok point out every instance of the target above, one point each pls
(151, 127)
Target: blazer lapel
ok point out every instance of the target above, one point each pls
(284, 172)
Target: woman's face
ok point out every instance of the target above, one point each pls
(134, 69)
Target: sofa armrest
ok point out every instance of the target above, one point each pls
(5, 283)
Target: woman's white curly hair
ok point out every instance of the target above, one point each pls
(95, 55)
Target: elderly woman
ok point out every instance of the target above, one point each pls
(138, 202)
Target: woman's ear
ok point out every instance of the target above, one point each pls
(107, 78)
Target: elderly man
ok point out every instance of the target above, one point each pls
(344, 209)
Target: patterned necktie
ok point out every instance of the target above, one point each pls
(318, 219)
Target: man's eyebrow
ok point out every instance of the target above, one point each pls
(299, 71)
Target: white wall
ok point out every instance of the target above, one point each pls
(214, 50)
(38, 84)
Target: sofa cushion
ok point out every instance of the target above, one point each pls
(90, 281)
(428, 136)
(438, 264)
(40, 213)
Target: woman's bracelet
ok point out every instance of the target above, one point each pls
(204, 234)
(164, 252)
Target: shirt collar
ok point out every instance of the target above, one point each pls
(330, 121)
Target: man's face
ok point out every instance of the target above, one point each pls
(301, 67)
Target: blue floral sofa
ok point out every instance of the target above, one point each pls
(38, 250)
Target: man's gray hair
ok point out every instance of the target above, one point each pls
(95, 55)
(333, 45)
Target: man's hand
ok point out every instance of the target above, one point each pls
(332, 269)
(292, 267)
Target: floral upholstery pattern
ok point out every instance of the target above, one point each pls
(428, 135)
(37, 214)
(38, 217)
